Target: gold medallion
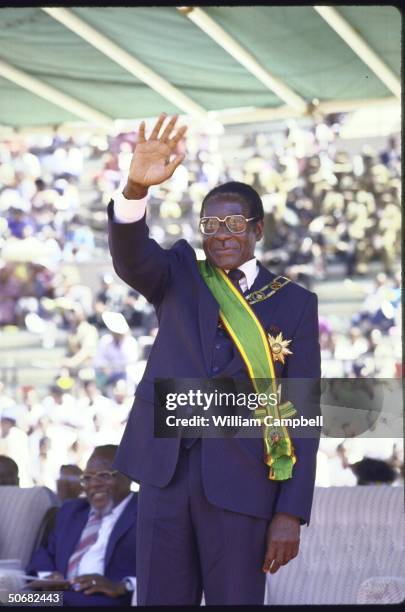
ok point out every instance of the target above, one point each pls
(279, 347)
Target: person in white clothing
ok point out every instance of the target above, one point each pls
(116, 351)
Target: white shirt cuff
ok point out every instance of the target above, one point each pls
(43, 574)
(127, 211)
(132, 580)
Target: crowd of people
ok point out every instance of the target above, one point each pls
(324, 209)
(372, 345)
(42, 433)
(322, 205)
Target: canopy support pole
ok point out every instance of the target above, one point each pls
(126, 61)
(254, 115)
(360, 47)
(57, 97)
(244, 57)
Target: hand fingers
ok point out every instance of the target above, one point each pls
(284, 554)
(290, 551)
(271, 566)
(176, 162)
(278, 554)
(278, 561)
(95, 589)
(275, 566)
(85, 586)
(158, 125)
(294, 550)
(141, 132)
(83, 578)
(82, 582)
(80, 586)
(179, 134)
(98, 588)
(88, 592)
(165, 136)
(269, 557)
(91, 590)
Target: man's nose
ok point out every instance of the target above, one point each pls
(94, 486)
(223, 233)
(95, 483)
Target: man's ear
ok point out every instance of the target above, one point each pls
(259, 229)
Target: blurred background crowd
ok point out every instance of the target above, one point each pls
(74, 339)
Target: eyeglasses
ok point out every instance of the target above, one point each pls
(69, 478)
(236, 224)
(104, 477)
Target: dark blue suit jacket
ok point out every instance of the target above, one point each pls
(234, 474)
(120, 558)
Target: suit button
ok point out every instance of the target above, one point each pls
(217, 346)
(215, 369)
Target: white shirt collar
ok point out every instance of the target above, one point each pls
(119, 508)
(250, 269)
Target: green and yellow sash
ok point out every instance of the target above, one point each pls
(252, 343)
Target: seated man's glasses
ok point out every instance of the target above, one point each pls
(105, 476)
(236, 224)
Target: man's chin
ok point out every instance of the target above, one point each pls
(103, 506)
(226, 262)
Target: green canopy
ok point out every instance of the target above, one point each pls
(295, 45)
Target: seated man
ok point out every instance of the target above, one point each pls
(93, 543)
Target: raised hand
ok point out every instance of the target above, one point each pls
(152, 161)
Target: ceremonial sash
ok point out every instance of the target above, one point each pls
(252, 342)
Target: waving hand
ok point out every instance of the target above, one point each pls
(152, 162)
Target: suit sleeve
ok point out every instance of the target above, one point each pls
(303, 372)
(138, 259)
(44, 559)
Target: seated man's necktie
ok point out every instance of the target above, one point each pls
(87, 539)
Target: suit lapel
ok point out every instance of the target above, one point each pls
(208, 314)
(123, 524)
(263, 310)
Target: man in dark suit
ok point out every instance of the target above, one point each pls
(211, 517)
(92, 544)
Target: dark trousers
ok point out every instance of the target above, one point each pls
(186, 546)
